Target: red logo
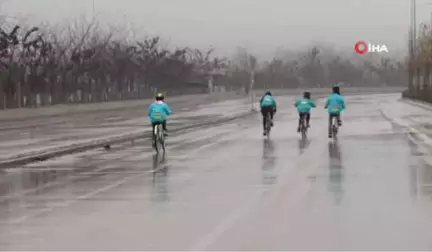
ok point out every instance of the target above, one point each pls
(361, 47)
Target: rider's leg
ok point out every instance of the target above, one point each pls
(299, 121)
(308, 119)
(154, 126)
(339, 120)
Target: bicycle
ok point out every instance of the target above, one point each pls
(268, 125)
(303, 125)
(335, 126)
(158, 138)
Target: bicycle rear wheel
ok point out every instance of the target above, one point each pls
(335, 127)
(303, 127)
(268, 126)
(156, 137)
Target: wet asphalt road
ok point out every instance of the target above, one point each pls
(20, 138)
(226, 188)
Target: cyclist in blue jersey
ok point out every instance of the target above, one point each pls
(268, 106)
(158, 112)
(304, 106)
(335, 105)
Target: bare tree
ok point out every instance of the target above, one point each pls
(90, 62)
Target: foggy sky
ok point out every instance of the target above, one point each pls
(260, 25)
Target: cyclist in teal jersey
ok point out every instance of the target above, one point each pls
(335, 105)
(158, 111)
(268, 106)
(304, 106)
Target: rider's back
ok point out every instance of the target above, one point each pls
(158, 111)
(268, 100)
(304, 105)
(335, 103)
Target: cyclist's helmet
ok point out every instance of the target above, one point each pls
(268, 93)
(336, 90)
(160, 97)
(307, 95)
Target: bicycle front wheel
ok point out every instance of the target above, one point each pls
(304, 128)
(335, 128)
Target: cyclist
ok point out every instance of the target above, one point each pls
(304, 106)
(158, 112)
(335, 105)
(268, 106)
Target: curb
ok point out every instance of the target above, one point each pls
(412, 133)
(418, 103)
(76, 148)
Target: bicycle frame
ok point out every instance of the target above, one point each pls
(303, 125)
(335, 127)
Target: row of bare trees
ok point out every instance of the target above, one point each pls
(85, 63)
(88, 63)
(318, 67)
(420, 65)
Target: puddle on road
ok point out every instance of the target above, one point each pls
(373, 168)
(269, 162)
(303, 144)
(421, 172)
(336, 171)
(160, 193)
(37, 178)
(427, 126)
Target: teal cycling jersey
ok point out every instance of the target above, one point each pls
(304, 105)
(158, 111)
(268, 100)
(335, 104)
